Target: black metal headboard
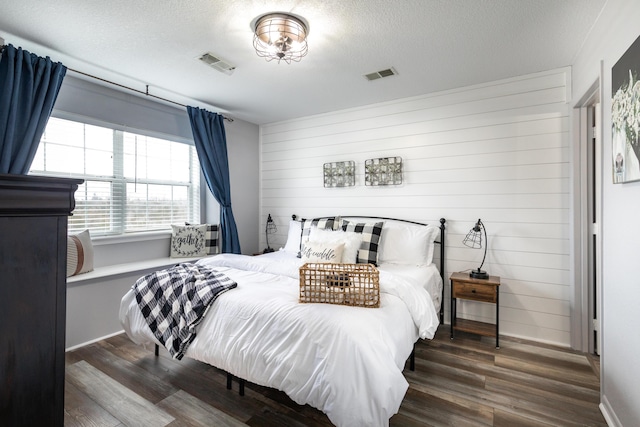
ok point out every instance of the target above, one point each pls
(438, 242)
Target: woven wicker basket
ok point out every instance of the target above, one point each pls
(344, 284)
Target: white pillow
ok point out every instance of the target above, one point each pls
(407, 244)
(312, 251)
(79, 253)
(351, 241)
(293, 238)
(188, 240)
(434, 233)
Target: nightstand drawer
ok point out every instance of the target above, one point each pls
(474, 291)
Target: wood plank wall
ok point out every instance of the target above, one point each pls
(497, 151)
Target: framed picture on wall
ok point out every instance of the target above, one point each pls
(625, 115)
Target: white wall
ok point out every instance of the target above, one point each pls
(498, 151)
(616, 29)
(93, 306)
(242, 147)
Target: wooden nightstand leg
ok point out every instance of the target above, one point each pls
(453, 314)
(497, 318)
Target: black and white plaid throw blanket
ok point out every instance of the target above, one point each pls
(173, 302)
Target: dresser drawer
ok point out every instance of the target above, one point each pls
(474, 291)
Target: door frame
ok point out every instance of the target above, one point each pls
(584, 297)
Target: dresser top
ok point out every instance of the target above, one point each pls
(36, 195)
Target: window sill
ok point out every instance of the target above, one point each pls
(129, 268)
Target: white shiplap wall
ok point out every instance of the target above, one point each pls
(497, 151)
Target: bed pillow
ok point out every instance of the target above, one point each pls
(312, 251)
(212, 242)
(79, 253)
(407, 244)
(431, 238)
(188, 240)
(293, 238)
(351, 241)
(368, 253)
(323, 223)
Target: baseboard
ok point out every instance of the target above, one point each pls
(75, 347)
(608, 413)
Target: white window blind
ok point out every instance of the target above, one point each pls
(133, 182)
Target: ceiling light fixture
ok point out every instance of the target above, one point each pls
(280, 36)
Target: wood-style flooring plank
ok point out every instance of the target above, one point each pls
(442, 364)
(126, 373)
(81, 411)
(460, 382)
(195, 413)
(122, 403)
(498, 392)
(126, 349)
(144, 359)
(278, 402)
(571, 376)
(568, 405)
(203, 383)
(439, 358)
(437, 411)
(509, 419)
(268, 417)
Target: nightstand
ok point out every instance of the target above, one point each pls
(483, 290)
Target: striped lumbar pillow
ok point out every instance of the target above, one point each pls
(79, 253)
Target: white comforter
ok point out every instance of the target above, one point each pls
(345, 361)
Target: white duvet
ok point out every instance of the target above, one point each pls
(345, 361)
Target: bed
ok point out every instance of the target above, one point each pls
(346, 361)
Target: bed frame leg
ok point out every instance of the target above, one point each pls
(240, 384)
(156, 351)
(412, 359)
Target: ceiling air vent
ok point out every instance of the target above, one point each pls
(380, 74)
(219, 64)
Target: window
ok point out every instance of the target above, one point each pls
(133, 182)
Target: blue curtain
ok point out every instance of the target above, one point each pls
(211, 145)
(29, 87)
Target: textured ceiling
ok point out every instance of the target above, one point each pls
(434, 45)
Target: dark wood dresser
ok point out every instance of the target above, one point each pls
(33, 255)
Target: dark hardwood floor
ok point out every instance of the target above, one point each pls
(464, 382)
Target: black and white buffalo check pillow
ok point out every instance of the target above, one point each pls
(322, 223)
(211, 238)
(368, 253)
(212, 242)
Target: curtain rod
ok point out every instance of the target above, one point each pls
(229, 119)
(138, 91)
